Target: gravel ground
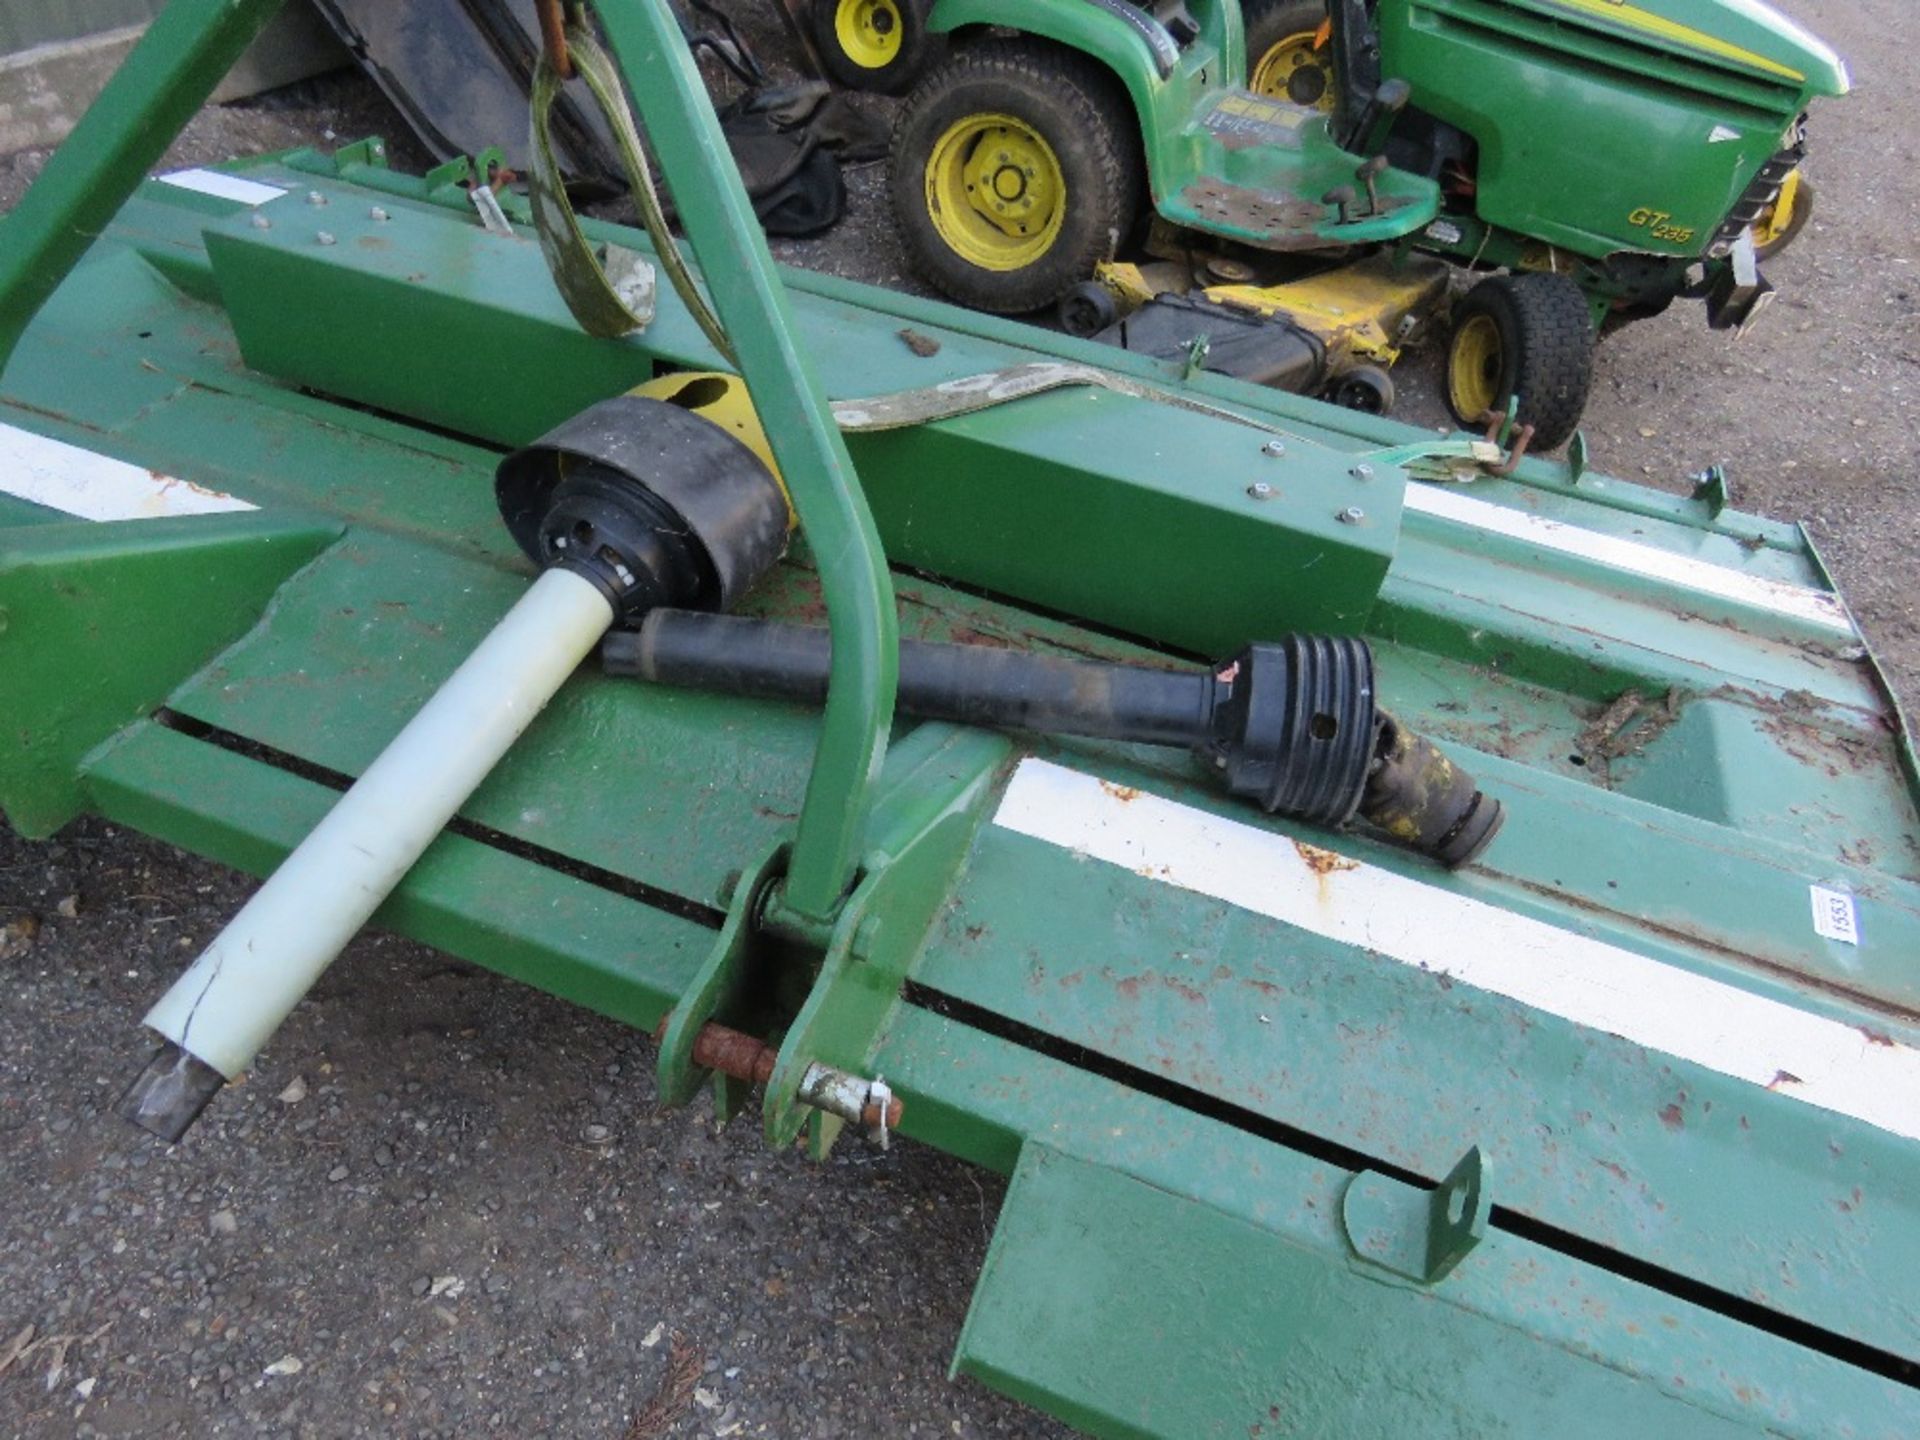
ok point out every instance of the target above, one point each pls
(444, 1205)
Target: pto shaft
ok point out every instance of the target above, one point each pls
(222, 1011)
(633, 504)
(968, 684)
(1291, 725)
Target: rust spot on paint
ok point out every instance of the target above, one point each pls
(1672, 1118)
(1122, 793)
(1323, 862)
(1617, 1171)
(1876, 1037)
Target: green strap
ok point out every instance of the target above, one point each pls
(970, 393)
(610, 292)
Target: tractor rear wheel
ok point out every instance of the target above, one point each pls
(877, 45)
(1530, 336)
(1283, 59)
(1014, 171)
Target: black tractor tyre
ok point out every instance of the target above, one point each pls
(1268, 22)
(1072, 103)
(915, 50)
(1545, 352)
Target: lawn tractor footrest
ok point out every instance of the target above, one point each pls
(1266, 350)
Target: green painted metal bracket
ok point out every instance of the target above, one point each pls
(729, 987)
(938, 783)
(169, 75)
(1419, 1236)
(838, 982)
(81, 650)
(725, 235)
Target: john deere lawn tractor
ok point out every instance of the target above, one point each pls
(1600, 158)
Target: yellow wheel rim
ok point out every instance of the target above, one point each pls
(1774, 221)
(995, 192)
(1473, 368)
(868, 32)
(1292, 69)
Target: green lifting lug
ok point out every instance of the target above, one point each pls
(1419, 1235)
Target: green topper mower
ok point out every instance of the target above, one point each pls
(1428, 934)
(1604, 157)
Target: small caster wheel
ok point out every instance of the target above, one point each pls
(1087, 309)
(1367, 388)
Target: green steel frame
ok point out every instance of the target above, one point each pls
(189, 50)
(1235, 1129)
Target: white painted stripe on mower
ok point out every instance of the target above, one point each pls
(1817, 607)
(1661, 1007)
(97, 487)
(227, 187)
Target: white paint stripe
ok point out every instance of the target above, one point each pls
(97, 487)
(227, 187)
(1603, 987)
(1817, 607)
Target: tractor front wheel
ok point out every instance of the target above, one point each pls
(877, 45)
(1529, 336)
(1785, 218)
(1013, 173)
(1287, 56)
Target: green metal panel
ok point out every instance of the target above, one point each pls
(594, 946)
(1293, 1344)
(956, 497)
(80, 646)
(1275, 1208)
(1310, 1033)
(1701, 124)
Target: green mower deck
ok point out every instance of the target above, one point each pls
(1614, 1132)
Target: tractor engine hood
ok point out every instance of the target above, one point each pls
(1747, 34)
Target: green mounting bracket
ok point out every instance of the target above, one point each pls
(1577, 457)
(1712, 491)
(726, 988)
(932, 797)
(1419, 1235)
(1196, 361)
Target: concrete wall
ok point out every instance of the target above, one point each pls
(55, 57)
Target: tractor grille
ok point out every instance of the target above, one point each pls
(1567, 42)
